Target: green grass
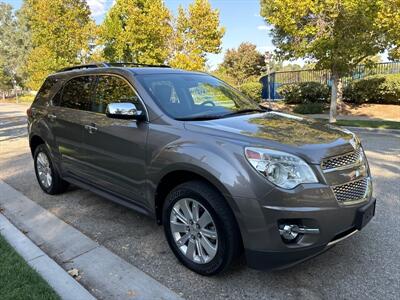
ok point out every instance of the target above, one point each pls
(18, 281)
(367, 123)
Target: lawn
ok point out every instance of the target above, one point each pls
(18, 280)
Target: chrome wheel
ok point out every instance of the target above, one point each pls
(44, 170)
(194, 231)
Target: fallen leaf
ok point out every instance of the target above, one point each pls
(73, 272)
(131, 293)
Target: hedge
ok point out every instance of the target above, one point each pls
(381, 89)
(252, 90)
(304, 92)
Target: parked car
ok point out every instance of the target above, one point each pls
(220, 173)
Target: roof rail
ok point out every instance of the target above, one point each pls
(132, 64)
(87, 66)
(110, 64)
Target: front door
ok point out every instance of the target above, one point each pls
(116, 148)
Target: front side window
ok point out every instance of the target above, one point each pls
(113, 89)
(77, 93)
(195, 96)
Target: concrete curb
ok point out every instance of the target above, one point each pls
(103, 273)
(62, 283)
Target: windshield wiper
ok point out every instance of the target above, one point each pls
(245, 111)
(199, 118)
(213, 117)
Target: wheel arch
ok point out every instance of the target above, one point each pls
(34, 141)
(173, 178)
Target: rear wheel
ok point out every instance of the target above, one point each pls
(200, 228)
(48, 177)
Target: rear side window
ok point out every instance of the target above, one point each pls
(77, 93)
(112, 89)
(43, 96)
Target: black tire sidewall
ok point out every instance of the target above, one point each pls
(222, 257)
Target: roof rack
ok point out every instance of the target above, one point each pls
(110, 64)
(132, 64)
(87, 66)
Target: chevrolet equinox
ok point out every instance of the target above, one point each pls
(221, 173)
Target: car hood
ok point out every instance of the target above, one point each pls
(296, 134)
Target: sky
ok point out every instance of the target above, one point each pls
(240, 18)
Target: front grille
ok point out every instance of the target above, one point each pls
(341, 160)
(352, 191)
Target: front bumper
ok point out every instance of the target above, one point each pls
(335, 225)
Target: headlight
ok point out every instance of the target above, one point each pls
(282, 169)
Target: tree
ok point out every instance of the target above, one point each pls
(389, 22)
(197, 32)
(60, 34)
(7, 28)
(244, 63)
(137, 31)
(336, 34)
(13, 48)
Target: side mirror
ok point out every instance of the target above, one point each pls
(123, 110)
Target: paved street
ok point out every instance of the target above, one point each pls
(365, 266)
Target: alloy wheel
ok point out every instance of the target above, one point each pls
(194, 230)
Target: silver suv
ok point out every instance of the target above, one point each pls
(222, 174)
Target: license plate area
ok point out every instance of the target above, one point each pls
(365, 214)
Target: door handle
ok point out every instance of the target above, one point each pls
(51, 117)
(91, 128)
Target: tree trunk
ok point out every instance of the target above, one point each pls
(335, 92)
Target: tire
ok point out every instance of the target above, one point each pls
(56, 185)
(227, 245)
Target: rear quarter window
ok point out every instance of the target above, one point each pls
(46, 91)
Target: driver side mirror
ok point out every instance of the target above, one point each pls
(124, 110)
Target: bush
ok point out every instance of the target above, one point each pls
(381, 89)
(252, 90)
(304, 92)
(309, 108)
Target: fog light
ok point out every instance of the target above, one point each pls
(289, 232)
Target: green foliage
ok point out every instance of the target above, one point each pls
(60, 35)
(309, 108)
(243, 63)
(197, 32)
(337, 34)
(137, 31)
(13, 47)
(252, 90)
(382, 89)
(304, 92)
(18, 280)
(389, 22)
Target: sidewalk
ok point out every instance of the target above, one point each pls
(103, 273)
(62, 283)
(350, 118)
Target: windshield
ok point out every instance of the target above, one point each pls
(192, 96)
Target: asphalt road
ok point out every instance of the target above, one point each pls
(365, 266)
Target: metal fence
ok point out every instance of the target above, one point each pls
(274, 80)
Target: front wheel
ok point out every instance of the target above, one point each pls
(200, 228)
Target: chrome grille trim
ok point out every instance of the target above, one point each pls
(352, 192)
(342, 161)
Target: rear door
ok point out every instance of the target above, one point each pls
(67, 120)
(116, 148)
